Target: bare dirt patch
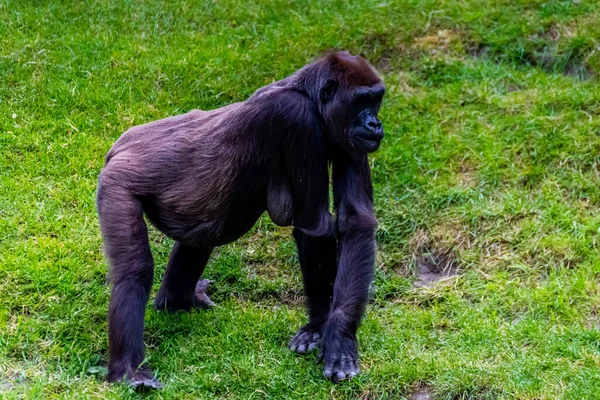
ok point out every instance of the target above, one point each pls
(10, 379)
(435, 266)
(434, 257)
(422, 392)
(384, 63)
(555, 50)
(439, 42)
(578, 71)
(387, 50)
(481, 50)
(466, 174)
(381, 49)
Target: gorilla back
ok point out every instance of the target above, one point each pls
(205, 177)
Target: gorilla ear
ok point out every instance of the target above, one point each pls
(328, 90)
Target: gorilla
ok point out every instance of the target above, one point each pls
(205, 177)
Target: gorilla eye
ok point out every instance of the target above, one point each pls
(328, 91)
(362, 101)
(361, 98)
(368, 97)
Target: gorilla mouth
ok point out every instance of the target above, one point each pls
(366, 144)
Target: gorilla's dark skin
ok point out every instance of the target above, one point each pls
(205, 177)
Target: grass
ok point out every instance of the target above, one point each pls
(491, 162)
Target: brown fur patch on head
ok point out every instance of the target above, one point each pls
(352, 70)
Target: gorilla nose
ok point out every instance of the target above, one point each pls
(375, 130)
(374, 125)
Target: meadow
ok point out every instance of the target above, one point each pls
(487, 191)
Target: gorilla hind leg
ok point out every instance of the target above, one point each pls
(181, 289)
(126, 245)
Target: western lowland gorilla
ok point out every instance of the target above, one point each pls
(205, 177)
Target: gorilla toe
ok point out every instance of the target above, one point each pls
(306, 339)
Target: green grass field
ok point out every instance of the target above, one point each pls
(490, 166)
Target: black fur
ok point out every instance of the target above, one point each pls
(205, 177)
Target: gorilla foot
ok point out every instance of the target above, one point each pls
(341, 358)
(201, 299)
(144, 380)
(166, 300)
(140, 379)
(306, 339)
(341, 368)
